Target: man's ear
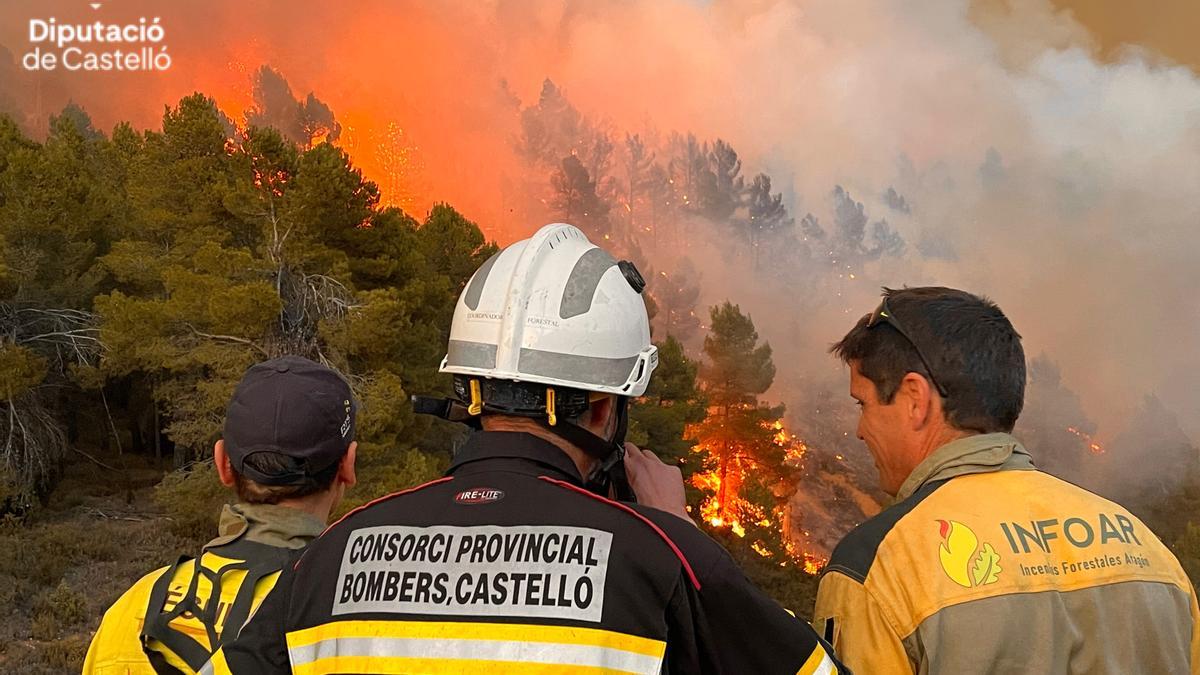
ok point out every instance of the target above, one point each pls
(224, 465)
(917, 395)
(599, 416)
(345, 474)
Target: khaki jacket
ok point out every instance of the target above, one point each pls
(986, 565)
(116, 648)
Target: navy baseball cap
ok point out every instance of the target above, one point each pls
(297, 411)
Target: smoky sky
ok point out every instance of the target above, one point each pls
(1053, 176)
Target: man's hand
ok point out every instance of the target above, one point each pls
(655, 484)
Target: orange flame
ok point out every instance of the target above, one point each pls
(1093, 447)
(723, 506)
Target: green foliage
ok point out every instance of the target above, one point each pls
(386, 460)
(455, 243)
(192, 498)
(202, 250)
(56, 610)
(749, 473)
(390, 470)
(246, 248)
(737, 369)
(21, 369)
(672, 402)
(740, 434)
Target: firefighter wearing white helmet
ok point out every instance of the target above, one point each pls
(517, 560)
(543, 323)
(557, 310)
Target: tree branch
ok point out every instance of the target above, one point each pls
(229, 338)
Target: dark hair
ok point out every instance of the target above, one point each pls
(972, 347)
(252, 492)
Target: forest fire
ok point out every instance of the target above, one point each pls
(734, 499)
(1093, 447)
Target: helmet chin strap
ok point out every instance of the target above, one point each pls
(607, 478)
(608, 475)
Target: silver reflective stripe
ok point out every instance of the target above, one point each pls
(470, 354)
(207, 669)
(475, 290)
(582, 369)
(549, 653)
(825, 667)
(581, 285)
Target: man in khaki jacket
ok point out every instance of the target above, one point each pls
(288, 451)
(984, 564)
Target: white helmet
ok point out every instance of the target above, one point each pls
(554, 309)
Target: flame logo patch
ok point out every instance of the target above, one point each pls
(965, 562)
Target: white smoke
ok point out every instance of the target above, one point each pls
(1053, 181)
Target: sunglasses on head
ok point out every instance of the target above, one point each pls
(883, 314)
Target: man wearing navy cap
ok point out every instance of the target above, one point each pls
(288, 452)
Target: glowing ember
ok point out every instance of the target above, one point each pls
(1094, 447)
(813, 564)
(724, 507)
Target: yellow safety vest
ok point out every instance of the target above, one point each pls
(171, 620)
(255, 541)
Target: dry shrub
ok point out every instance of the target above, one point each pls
(192, 498)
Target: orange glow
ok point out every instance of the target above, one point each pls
(723, 506)
(813, 564)
(1093, 447)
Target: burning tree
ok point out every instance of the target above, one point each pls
(750, 462)
(247, 249)
(398, 162)
(304, 122)
(749, 465)
(1055, 428)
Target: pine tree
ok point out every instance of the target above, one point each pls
(301, 122)
(638, 165)
(675, 295)
(1054, 427)
(746, 456)
(750, 465)
(576, 201)
(723, 190)
(56, 217)
(687, 170)
(552, 130)
(766, 218)
(202, 250)
(672, 403)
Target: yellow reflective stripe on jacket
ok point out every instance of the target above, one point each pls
(818, 664)
(466, 647)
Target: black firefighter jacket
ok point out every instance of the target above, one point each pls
(507, 565)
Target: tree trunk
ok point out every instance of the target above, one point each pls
(157, 433)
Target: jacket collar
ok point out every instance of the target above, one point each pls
(269, 524)
(514, 451)
(982, 453)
